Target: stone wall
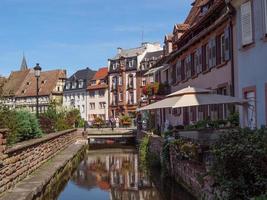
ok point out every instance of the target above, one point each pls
(156, 145)
(191, 175)
(23, 158)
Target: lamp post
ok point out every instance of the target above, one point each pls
(37, 73)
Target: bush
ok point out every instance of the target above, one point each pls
(240, 164)
(58, 119)
(27, 126)
(144, 151)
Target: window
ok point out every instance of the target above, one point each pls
(78, 95)
(92, 106)
(82, 96)
(192, 64)
(82, 108)
(102, 105)
(173, 74)
(187, 67)
(178, 70)
(101, 93)
(143, 82)
(92, 94)
(183, 70)
(120, 80)
(221, 49)
(204, 57)
(213, 52)
(130, 81)
(80, 83)
(120, 96)
(131, 98)
(114, 65)
(198, 61)
(93, 82)
(68, 86)
(246, 23)
(251, 112)
(227, 44)
(74, 85)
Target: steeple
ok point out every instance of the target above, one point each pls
(23, 65)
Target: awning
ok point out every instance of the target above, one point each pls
(193, 97)
(153, 70)
(165, 103)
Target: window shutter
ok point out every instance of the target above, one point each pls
(178, 70)
(218, 50)
(246, 23)
(213, 51)
(200, 60)
(196, 61)
(227, 44)
(210, 54)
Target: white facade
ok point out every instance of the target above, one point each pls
(77, 100)
(97, 104)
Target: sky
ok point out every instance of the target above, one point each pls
(75, 34)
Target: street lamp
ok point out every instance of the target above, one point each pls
(37, 73)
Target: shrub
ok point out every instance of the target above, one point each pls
(144, 151)
(26, 126)
(240, 164)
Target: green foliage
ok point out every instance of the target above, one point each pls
(125, 120)
(58, 119)
(240, 164)
(27, 126)
(167, 134)
(144, 151)
(233, 118)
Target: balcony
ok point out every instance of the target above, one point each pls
(156, 89)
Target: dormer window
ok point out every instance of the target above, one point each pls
(74, 85)
(81, 84)
(68, 86)
(114, 66)
(205, 7)
(93, 82)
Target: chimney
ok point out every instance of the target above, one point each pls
(119, 50)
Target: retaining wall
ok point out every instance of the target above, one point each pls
(23, 158)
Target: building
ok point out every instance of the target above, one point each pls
(147, 75)
(75, 91)
(122, 78)
(199, 54)
(97, 95)
(2, 82)
(19, 91)
(250, 28)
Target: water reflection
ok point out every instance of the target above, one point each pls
(111, 174)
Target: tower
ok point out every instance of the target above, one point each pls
(23, 65)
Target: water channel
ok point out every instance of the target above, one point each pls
(115, 174)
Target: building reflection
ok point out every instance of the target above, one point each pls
(116, 172)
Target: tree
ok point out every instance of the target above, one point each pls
(240, 164)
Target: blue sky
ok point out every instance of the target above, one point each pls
(73, 34)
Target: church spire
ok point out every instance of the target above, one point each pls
(23, 64)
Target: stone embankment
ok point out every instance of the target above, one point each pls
(185, 172)
(20, 160)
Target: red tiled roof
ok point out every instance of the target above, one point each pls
(14, 82)
(47, 83)
(101, 74)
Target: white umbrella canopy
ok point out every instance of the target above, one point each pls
(191, 96)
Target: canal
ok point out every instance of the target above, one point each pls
(114, 174)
